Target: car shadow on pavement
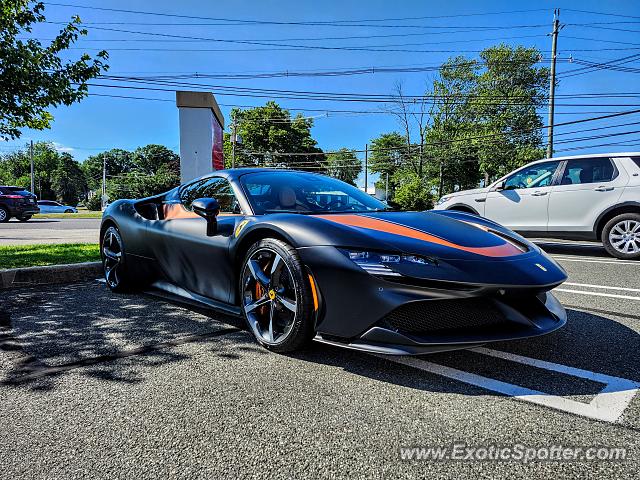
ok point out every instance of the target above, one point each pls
(589, 342)
(575, 249)
(47, 332)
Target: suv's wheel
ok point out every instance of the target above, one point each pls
(275, 297)
(114, 261)
(4, 215)
(621, 236)
(26, 218)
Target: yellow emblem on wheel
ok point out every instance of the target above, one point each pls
(272, 294)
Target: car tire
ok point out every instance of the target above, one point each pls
(68, 210)
(4, 215)
(114, 262)
(26, 218)
(621, 236)
(276, 297)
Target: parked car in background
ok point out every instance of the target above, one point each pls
(586, 197)
(49, 206)
(17, 202)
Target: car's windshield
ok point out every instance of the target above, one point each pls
(308, 193)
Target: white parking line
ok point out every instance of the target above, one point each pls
(590, 260)
(596, 294)
(607, 406)
(606, 287)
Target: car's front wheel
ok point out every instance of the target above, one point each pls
(621, 236)
(26, 218)
(68, 210)
(4, 215)
(114, 261)
(276, 297)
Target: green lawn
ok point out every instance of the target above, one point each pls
(50, 254)
(81, 214)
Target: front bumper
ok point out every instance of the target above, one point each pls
(355, 307)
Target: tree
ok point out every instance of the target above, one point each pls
(57, 175)
(35, 78)
(269, 130)
(151, 158)
(68, 180)
(387, 155)
(118, 162)
(343, 165)
(413, 193)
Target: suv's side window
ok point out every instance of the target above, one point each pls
(214, 187)
(538, 175)
(588, 170)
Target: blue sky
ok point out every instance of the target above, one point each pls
(100, 122)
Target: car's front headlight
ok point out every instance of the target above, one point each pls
(443, 200)
(381, 263)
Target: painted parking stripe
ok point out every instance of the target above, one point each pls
(596, 294)
(607, 406)
(606, 287)
(591, 260)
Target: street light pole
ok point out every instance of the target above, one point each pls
(366, 167)
(103, 199)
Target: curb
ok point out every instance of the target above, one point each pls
(52, 274)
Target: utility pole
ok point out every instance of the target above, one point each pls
(386, 188)
(366, 166)
(233, 143)
(552, 81)
(31, 156)
(103, 199)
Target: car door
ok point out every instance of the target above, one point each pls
(45, 206)
(521, 201)
(187, 256)
(586, 188)
(57, 208)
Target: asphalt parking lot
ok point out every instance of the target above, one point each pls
(99, 385)
(50, 230)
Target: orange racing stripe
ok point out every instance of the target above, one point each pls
(505, 250)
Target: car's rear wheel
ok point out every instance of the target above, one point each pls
(25, 218)
(114, 261)
(4, 215)
(275, 296)
(621, 236)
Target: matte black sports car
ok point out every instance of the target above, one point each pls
(304, 256)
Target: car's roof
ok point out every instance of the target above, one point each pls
(235, 173)
(592, 155)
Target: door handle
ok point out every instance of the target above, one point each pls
(602, 188)
(480, 199)
(538, 194)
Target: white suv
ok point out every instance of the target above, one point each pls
(594, 197)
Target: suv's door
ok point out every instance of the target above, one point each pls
(187, 256)
(523, 203)
(587, 187)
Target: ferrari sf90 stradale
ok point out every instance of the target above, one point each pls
(302, 256)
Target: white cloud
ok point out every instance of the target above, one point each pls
(61, 148)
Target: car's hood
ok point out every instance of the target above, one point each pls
(434, 234)
(473, 191)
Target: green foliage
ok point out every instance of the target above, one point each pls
(118, 162)
(147, 171)
(343, 165)
(57, 175)
(34, 77)
(68, 181)
(413, 193)
(94, 202)
(267, 130)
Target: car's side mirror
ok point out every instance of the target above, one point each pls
(208, 208)
(500, 186)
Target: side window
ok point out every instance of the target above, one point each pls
(589, 170)
(538, 175)
(214, 187)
